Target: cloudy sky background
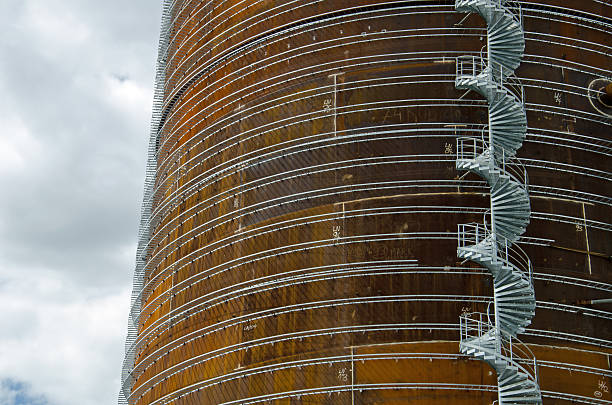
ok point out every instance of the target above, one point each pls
(76, 85)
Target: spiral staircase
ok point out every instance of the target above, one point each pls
(490, 154)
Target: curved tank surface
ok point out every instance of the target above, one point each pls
(376, 202)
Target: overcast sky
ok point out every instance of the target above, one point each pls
(76, 79)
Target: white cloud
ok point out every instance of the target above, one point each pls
(17, 146)
(65, 340)
(128, 97)
(54, 24)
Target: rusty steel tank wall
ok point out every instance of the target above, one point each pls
(299, 233)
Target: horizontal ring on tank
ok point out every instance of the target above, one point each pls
(300, 281)
(248, 318)
(356, 329)
(362, 387)
(581, 282)
(273, 339)
(334, 242)
(541, 164)
(537, 191)
(550, 216)
(255, 161)
(575, 220)
(345, 358)
(249, 107)
(574, 398)
(258, 85)
(305, 363)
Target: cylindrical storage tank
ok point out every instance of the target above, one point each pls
(299, 235)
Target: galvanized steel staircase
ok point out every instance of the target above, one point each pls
(492, 337)
(514, 363)
(506, 41)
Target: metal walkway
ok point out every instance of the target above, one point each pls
(491, 337)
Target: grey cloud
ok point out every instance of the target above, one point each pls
(17, 393)
(75, 95)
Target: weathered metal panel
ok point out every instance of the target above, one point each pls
(302, 242)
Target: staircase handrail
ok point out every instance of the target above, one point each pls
(469, 65)
(519, 354)
(513, 166)
(473, 65)
(471, 234)
(512, 254)
(474, 325)
(508, 253)
(471, 328)
(511, 82)
(471, 147)
(514, 8)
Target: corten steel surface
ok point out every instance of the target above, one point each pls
(299, 231)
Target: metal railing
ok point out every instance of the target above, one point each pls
(472, 147)
(476, 65)
(508, 253)
(514, 9)
(476, 326)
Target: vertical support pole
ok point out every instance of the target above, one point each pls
(335, 105)
(493, 227)
(352, 375)
(586, 237)
(506, 248)
(510, 340)
(335, 76)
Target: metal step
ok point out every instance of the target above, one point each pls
(504, 29)
(507, 116)
(510, 205)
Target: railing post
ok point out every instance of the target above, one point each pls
(506, 248)
(510, 340)
(529, 269)
(497, 335)
(457, 146)
(459, 235)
